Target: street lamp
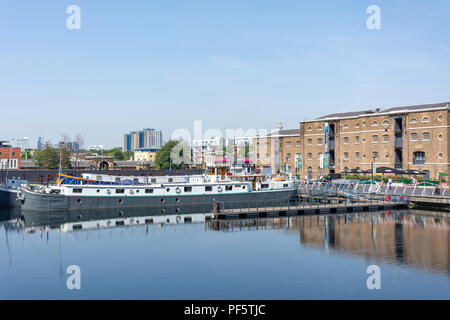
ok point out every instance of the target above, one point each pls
(373, 160)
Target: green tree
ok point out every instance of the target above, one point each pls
(48, 158)
(163, 159)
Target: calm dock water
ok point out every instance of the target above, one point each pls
(304, 257)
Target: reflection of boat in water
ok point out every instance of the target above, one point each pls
(67, 221)
(196, 194)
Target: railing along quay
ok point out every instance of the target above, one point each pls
(382, 189)
(420, 197)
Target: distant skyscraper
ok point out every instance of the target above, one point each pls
(40, 144)
(143, 139)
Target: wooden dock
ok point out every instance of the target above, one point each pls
(307, 209)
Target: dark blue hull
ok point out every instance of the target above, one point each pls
(8, 198)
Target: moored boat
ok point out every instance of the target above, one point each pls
(196, 195)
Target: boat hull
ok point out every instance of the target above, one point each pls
(8, 198)
(200, 203)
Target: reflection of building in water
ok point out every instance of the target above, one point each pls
(416, 240)
(406, 238)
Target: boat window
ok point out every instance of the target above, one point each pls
(153, 180)
(285, 185)
(187, 189)
(117, 179)
(135, 180)
(148, 190)
(77, 190)
(99, 178)
(264, 185)
(170, 179)
(120, 190)
(228, 188)
(208, 188)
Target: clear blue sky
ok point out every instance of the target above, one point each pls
(232, 64)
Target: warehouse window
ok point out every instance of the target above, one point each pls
(375, 139)
(419, 157)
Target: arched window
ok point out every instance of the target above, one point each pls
(357, 125)
(375, 155)
(426, 119)
(385, 123)
(413, 120)
(375, 124)
(309, 129)
(345, 126)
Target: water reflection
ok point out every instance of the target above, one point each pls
(415, 238)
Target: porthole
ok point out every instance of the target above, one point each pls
(108, 191)
(120, 201)
(120, 213)
(163, 211)
(177, 199)
(163, 200)
(79, 200)
(177, 210)
(137, 191)
(98, 190)
(243, 187)
(167, 189)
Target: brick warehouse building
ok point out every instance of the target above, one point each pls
(9, 154)
(277, 151)
(411, 137)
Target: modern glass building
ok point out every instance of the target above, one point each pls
(144, 139)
